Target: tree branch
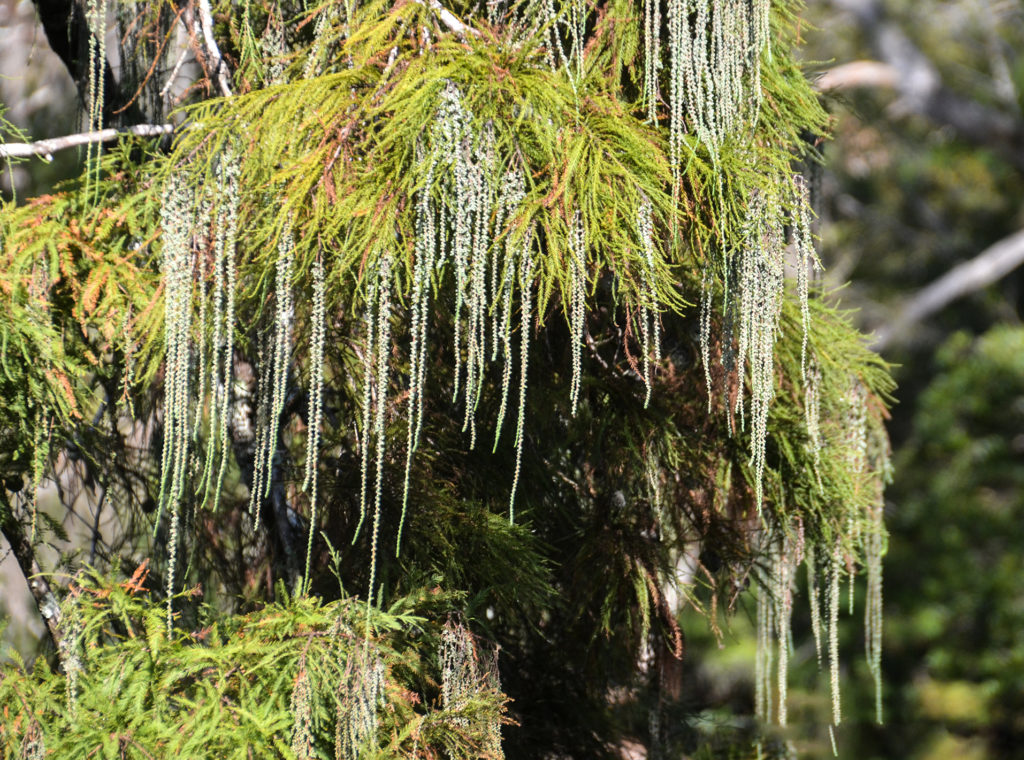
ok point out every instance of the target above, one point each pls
(220, 68)
(849, 76)
(21, 546)
(922, 91)
(984, 269)
(449, 19)
(46, 148)
(67, 33)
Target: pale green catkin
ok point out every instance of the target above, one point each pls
(426, 246)
(217, 390)
(479, 210)
(203, 285)
(284, 319)
(302, 714)
(652, 57)
(176, 221)
(275, 362)
(264, 394)
(319, 49)
(714, 65)
(70, 647)
(369, 352)
(835, 570)
(807, 260)
(383, 346)
(434, 243)
(577, 303)
(812, 414)
(273, 49)
(783, 600)
(361, 694)
(577, 37)
(96, 20)
(551, 21)
(764, 658)
(513, 190)
(761, 291)
(813, 600)
(874, 549)
(705, 329)
(454, 123)
(318, 335)
(678, 46)
(40, 456)
(458, 669)
(525, 296)
(648, 321)
(224, 342)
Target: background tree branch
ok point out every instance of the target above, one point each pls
(67, 33)
(856, 74)
(21, 547)
(986, 268)
(46, 148)
(920, 86)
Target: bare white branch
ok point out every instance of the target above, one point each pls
(450, 20)
(987, 267)
(46, 148)
(216, 60)
(920, 88)
(165, 91)
(848, 76)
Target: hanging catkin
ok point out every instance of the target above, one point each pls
(652, 56)
(423, 265)
(525, 296)
(362, 692)
(264, 395)
(369, 349)
(225, 232)
(96, 20)
(458, 669)
(785, 562)
(761, 283)
(479, 208)
(176, 221)
(284, 318)
(835, 569)
(513, 190)
(318, 334)
(275, 365)
(577, 303)
(302, 714)
(715, 49)
(807, 260)
(454, 131)
(382, 366)
(814, 600)
(648, 319)
(764, 653)
(874, 550)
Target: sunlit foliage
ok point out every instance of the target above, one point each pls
(399, 205)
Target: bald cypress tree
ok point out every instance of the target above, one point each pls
(424, 329)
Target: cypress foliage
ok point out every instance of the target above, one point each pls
(282, 681)
(316, 299)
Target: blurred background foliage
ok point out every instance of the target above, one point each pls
(907, 191)
(906, 197)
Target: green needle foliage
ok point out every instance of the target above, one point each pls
(314, 312)
(296, 679)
